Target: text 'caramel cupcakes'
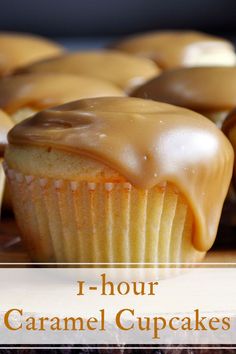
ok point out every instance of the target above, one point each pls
(124, 70)
(20, 49)
(206, 90)
(118, 180)
(173, 49)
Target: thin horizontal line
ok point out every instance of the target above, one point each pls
(117, 347)
(116, 263)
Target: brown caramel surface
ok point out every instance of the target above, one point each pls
(18, 49)
(203, 89)
(39, 91)
(146, 142)
(171, 49)
(124, 70)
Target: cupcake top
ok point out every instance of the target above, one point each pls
(5, 125)
(18, 49)
(172, 49)
(39, 91)
(146, 142)
(124, 70)
(205, 89)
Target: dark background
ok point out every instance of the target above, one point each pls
(70, 18)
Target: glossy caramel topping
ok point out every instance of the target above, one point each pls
(205, 89)
(39, 91)
(147, 143)
(18, 49)
(124, 70)
(171, 49)
(5, 125)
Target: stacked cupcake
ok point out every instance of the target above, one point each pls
(96, 177)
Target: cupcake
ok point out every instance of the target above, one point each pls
(5, 126)
(23, 95)
(18, 49)
(118, 180)
(208, 91)
(124, 70)
(173, 49)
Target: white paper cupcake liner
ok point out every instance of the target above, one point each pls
(69, 221)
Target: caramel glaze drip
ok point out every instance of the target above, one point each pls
(202, 89)
(19, 49)
(5, 125)
(146, 142)
(40, 91)
(170, 49)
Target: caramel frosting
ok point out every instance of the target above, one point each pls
(5, 125)
(171, 49)
(18, 49)
(203, 89)
(39, 91)
(146, 142)
(126, 71)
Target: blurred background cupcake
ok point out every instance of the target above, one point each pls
(20, 49)
(206, 90)
(23, 95)
(124, 70)
(173, 49)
